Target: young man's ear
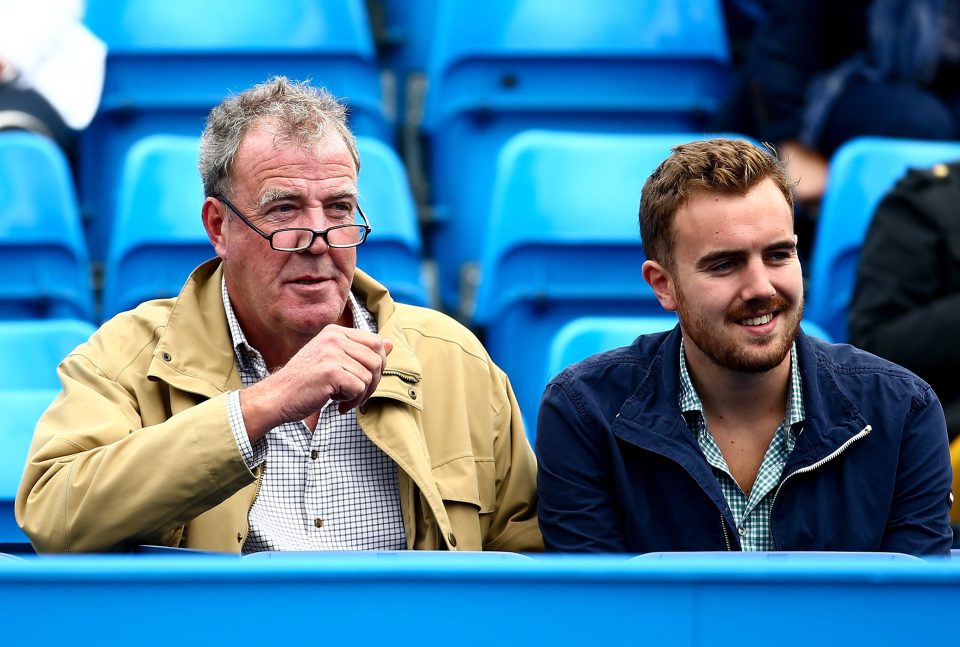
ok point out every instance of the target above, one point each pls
(214, 221)
(662, 283)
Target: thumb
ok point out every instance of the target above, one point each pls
(387, 345)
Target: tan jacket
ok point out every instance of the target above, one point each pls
(137, 448)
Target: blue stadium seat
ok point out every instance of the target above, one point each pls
(563, 242)
(586, 336)
(393, 254)
(158, 237)
(31, 350)
(503, 66)
(861, 172)
(21, 410)
(169, 62)
(43, 257)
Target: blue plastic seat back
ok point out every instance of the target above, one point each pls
(564, 222)
(169, 63)
(586, 336)
(502, 67)
(531, 54)
(21, 411)
(393, 254)
(30, 350)
(43, 257)
(861, 173)
(159, 236)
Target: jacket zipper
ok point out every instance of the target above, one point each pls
(255, 495)
(726, 536)
(406, 377)
(809, 468)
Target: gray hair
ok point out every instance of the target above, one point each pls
(299, 114)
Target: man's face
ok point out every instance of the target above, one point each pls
(736, 281)
(280, 296)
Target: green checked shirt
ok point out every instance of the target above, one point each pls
(752, 514)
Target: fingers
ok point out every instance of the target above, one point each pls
(340, 364)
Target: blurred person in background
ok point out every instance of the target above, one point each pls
(906, 301)
(818, 73)
(51, 68)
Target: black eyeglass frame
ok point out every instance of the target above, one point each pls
(313, 232)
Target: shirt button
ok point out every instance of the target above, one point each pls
(453, 539)
(742, 531)
(318, 522)
(239, 538)
(314, 454)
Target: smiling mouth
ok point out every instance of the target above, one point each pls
(757, 321)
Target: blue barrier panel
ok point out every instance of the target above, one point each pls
(474, 601)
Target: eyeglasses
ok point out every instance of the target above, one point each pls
(297, 239)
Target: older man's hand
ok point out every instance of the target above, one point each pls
(340, 364)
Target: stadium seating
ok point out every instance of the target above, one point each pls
(21, 410)
(503, 66)
(861, 172)
(31, 350)
(158, 237)
(43, 257)
(562, 242)
(169, 62)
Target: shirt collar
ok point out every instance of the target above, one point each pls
(690, 402)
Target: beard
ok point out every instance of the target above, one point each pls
(756, 355)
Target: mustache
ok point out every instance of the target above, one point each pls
(757, 307)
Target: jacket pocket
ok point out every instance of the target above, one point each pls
(467, 488)
(467, 480)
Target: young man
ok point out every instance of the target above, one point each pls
(283, 401)
(735, 431)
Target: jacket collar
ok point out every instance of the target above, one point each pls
(831, 416)
(651, 417)
(194, 353)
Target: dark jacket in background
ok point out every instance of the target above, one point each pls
(906, 302)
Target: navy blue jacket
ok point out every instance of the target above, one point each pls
(620, 471)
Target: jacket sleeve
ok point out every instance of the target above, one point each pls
(901, 307)
(578, 508)
(514, 527)
(97, 480)
(918, 522)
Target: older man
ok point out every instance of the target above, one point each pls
(283, 401)
(736, 431)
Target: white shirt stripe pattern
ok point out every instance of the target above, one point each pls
(332, 489)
